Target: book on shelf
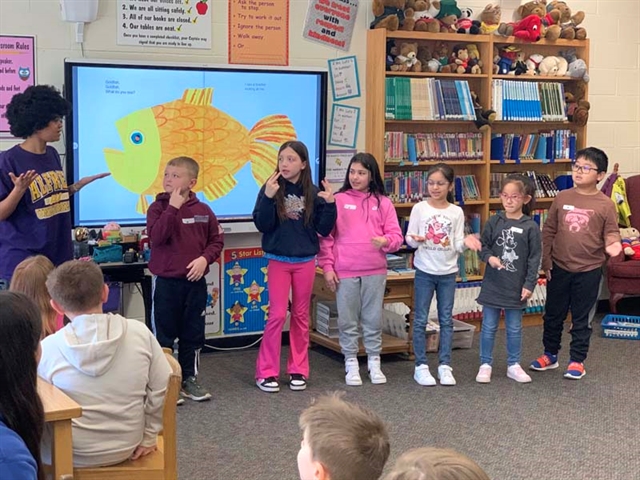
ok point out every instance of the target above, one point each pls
(428, 99)
(466, 188)
(411, 186)
(544, 146)
(520, 101)
(401, 147)
(538, 215)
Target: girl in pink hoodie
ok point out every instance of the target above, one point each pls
(353, 258)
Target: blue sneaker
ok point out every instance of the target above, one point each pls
(545, 362)
(575, 371)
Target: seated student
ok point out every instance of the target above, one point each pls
(30, 278)
(341, 441)
(113, 367)
(429, 463)
(21, 414)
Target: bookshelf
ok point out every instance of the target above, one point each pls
(377, 124)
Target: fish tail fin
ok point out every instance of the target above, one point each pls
(274, 129)
(219, 188)
(198, 96)
(143, 204)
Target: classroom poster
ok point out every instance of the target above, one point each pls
(337, 162)
(331, 22)
(345, 82)
(17, 71)
(246, 294)
(160, 23)
(343, 131)
(259, 32)
(213, 312)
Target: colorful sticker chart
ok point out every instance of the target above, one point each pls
(17, 71)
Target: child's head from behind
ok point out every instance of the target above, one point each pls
(363, 175)
(180, 173)
(341, 441)
(517, 194)
(440, 178)
(435, 464)
(590, 167)
(30, 277)
(37, 110)
(77, 287)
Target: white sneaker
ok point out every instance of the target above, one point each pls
(423, 376)
(352, 367)
(445, 375)
(375, 374)
(516, 373)
(484, 374)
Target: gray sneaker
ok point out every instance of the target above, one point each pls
(193, 390)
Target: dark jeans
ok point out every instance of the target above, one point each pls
(178, 312)
(577, 292)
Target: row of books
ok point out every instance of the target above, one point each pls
(403, 147)
(543, 146)
(538, 215)
(428, 99)
(521, 101)
(411, 186)
(545, 186)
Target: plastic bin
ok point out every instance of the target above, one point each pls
(621, 326)
(462, 334)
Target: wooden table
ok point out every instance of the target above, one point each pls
(399, 289)
(58, 411)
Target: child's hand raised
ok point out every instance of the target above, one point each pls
(272, 185)
(495, 263)
(614, 249)
(176, 200)
(417, 238)
(472, 242)
(327, 193)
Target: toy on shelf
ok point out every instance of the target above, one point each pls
(529, 29)
(577, 68)
(577, 106)
(490, 19)
(441, 54)
(550, 19)
(388, 14)
(533, 63)
(406, 60)
(448, 16)
(429, 64)
(507, 59)
(465, 24)
(484, 118)
(420, 15)
(569, 23)
(461, 62)
(630, 242)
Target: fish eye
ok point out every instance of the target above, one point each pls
(136, 138)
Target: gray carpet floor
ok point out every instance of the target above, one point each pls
(552, 428)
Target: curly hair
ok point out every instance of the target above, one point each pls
(32, 110)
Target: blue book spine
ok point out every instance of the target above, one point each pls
(497, 147)
(411, 148)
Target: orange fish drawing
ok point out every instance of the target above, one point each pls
(192, 127)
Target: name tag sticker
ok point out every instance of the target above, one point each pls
(516, 230)
(201, 218)
(349, 207)
(568, 207)
(188, 221)
(375, 207)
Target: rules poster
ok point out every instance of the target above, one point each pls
(17, 71)
(164, 23)
(213, 312)
(246, 294)
(331, 22)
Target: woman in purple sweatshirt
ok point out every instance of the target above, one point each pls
(353, 258)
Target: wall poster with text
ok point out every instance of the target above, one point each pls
(213, 310)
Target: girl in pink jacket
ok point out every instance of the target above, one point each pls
(353, 258)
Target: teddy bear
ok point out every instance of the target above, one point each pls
(577, 67)
(630, 243)
(465, 24)
(448, 16)
(423, 16)
(553, 66)
(406, 60)
(441, 54)
(569, 23)
(461, 62)
(474, 53)
(429, 64)
(388, 14)
(550, 19)
(529, 29)
(484, 118)
(577, 107)
(490, 18)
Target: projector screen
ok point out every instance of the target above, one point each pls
(131, 120)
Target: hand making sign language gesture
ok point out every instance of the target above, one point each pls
(327, 193)
(272, 185)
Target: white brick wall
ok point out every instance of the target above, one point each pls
(612, 26)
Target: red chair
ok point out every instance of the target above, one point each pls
(623, 274)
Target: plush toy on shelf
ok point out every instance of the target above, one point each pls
(407, 58)
(577, 106)
(490, 19)
(441, 54)
(549, 19)
(630, 243)
(569, 23)
(461, 62)
(448, 16)
(528, 29)
(388, 14)
(553, 66)
(429, 64)
(506, 63)
(577, 67)
(466, 24)
(484, 118)
(532, 63)
(423, 15)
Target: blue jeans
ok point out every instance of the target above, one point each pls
(513, 323)
(444, 287)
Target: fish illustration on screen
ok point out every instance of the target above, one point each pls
(191, 126)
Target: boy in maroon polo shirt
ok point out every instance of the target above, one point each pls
(185, 239)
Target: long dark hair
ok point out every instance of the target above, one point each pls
(526, 187)
(305, 178)
(376, 185)
(20, 405)
(448, 174)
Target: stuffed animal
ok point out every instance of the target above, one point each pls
(532, 63)
(630, 243)
(577, 106)
(406, 60)
(490, 19)
(577, 67)
(465, 24)
(550, 19)
(448, 16)
(553, 66)
(388, 14)
(528, 29)
(484, 118)
(506, 63)
(569, 23)
(474, 53)
(519, 66)
(424, 14)
(461, 62)
(441, 54)
(429, 64)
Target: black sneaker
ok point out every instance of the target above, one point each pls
(193, 390)
(269, 384)
(297, 382)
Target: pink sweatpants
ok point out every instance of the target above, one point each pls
(284, 277)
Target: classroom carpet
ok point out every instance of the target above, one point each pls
(552, 428)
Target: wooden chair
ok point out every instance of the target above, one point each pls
(159, 465)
